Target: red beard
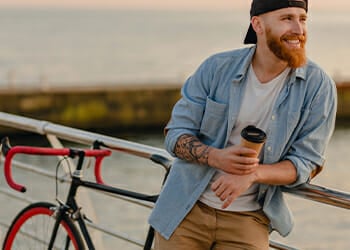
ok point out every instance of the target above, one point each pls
(295, 57)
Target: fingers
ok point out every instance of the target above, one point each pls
(215, 186)
(226, 196)
(222, 190)
(242, 165)
(241, 154)
(241, 169)
(244, 160)
(244, 156)
(245, 151)
(235, 160)
(229, 187)
(245, 168)
(228, 201)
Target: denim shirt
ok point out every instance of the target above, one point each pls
(299, 129)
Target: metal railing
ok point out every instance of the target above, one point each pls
(55, 132)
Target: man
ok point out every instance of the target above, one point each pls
(217, 195)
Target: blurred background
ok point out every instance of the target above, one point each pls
(117, 42)
(106, 64)
(116, 67)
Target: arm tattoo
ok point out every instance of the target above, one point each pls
(190, 148)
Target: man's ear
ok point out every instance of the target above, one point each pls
(257, 24)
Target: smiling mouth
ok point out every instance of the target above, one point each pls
(293, 43)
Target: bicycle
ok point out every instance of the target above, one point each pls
(62, 225)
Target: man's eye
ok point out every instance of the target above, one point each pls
(287, 18)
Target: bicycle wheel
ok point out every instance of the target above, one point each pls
(32, 228)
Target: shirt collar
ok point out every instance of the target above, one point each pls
(243, 68)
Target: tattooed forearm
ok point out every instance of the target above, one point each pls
(190, 148)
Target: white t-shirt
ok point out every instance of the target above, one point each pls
(256, 109)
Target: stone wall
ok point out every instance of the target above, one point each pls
(102, 108)
(112, 108)
(343, 101)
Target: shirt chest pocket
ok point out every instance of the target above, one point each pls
(213, 119)
(294, 122)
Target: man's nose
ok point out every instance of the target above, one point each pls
(298, 27)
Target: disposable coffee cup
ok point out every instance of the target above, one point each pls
(254, 138)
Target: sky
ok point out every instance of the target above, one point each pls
(159, 4)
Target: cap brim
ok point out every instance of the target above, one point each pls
(251, 36)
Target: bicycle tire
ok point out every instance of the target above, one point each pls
(32, 227)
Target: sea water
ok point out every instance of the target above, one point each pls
(82, 46)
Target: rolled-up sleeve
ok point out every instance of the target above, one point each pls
(188, 112)
(307, 151)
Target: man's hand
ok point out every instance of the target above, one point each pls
(242, 171)
(233, 160)
(228, 187)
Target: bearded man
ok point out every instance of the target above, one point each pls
(219, 194)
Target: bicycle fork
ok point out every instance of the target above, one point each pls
(58, 213)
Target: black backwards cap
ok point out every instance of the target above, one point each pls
(259, 7)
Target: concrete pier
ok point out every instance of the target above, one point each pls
(97, 108)
(113, 108)
(343, 112)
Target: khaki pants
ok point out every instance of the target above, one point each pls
(206, 228)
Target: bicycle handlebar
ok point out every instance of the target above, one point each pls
(9, 153)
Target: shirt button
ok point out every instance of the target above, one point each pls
(273, 117)
(269, 148)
